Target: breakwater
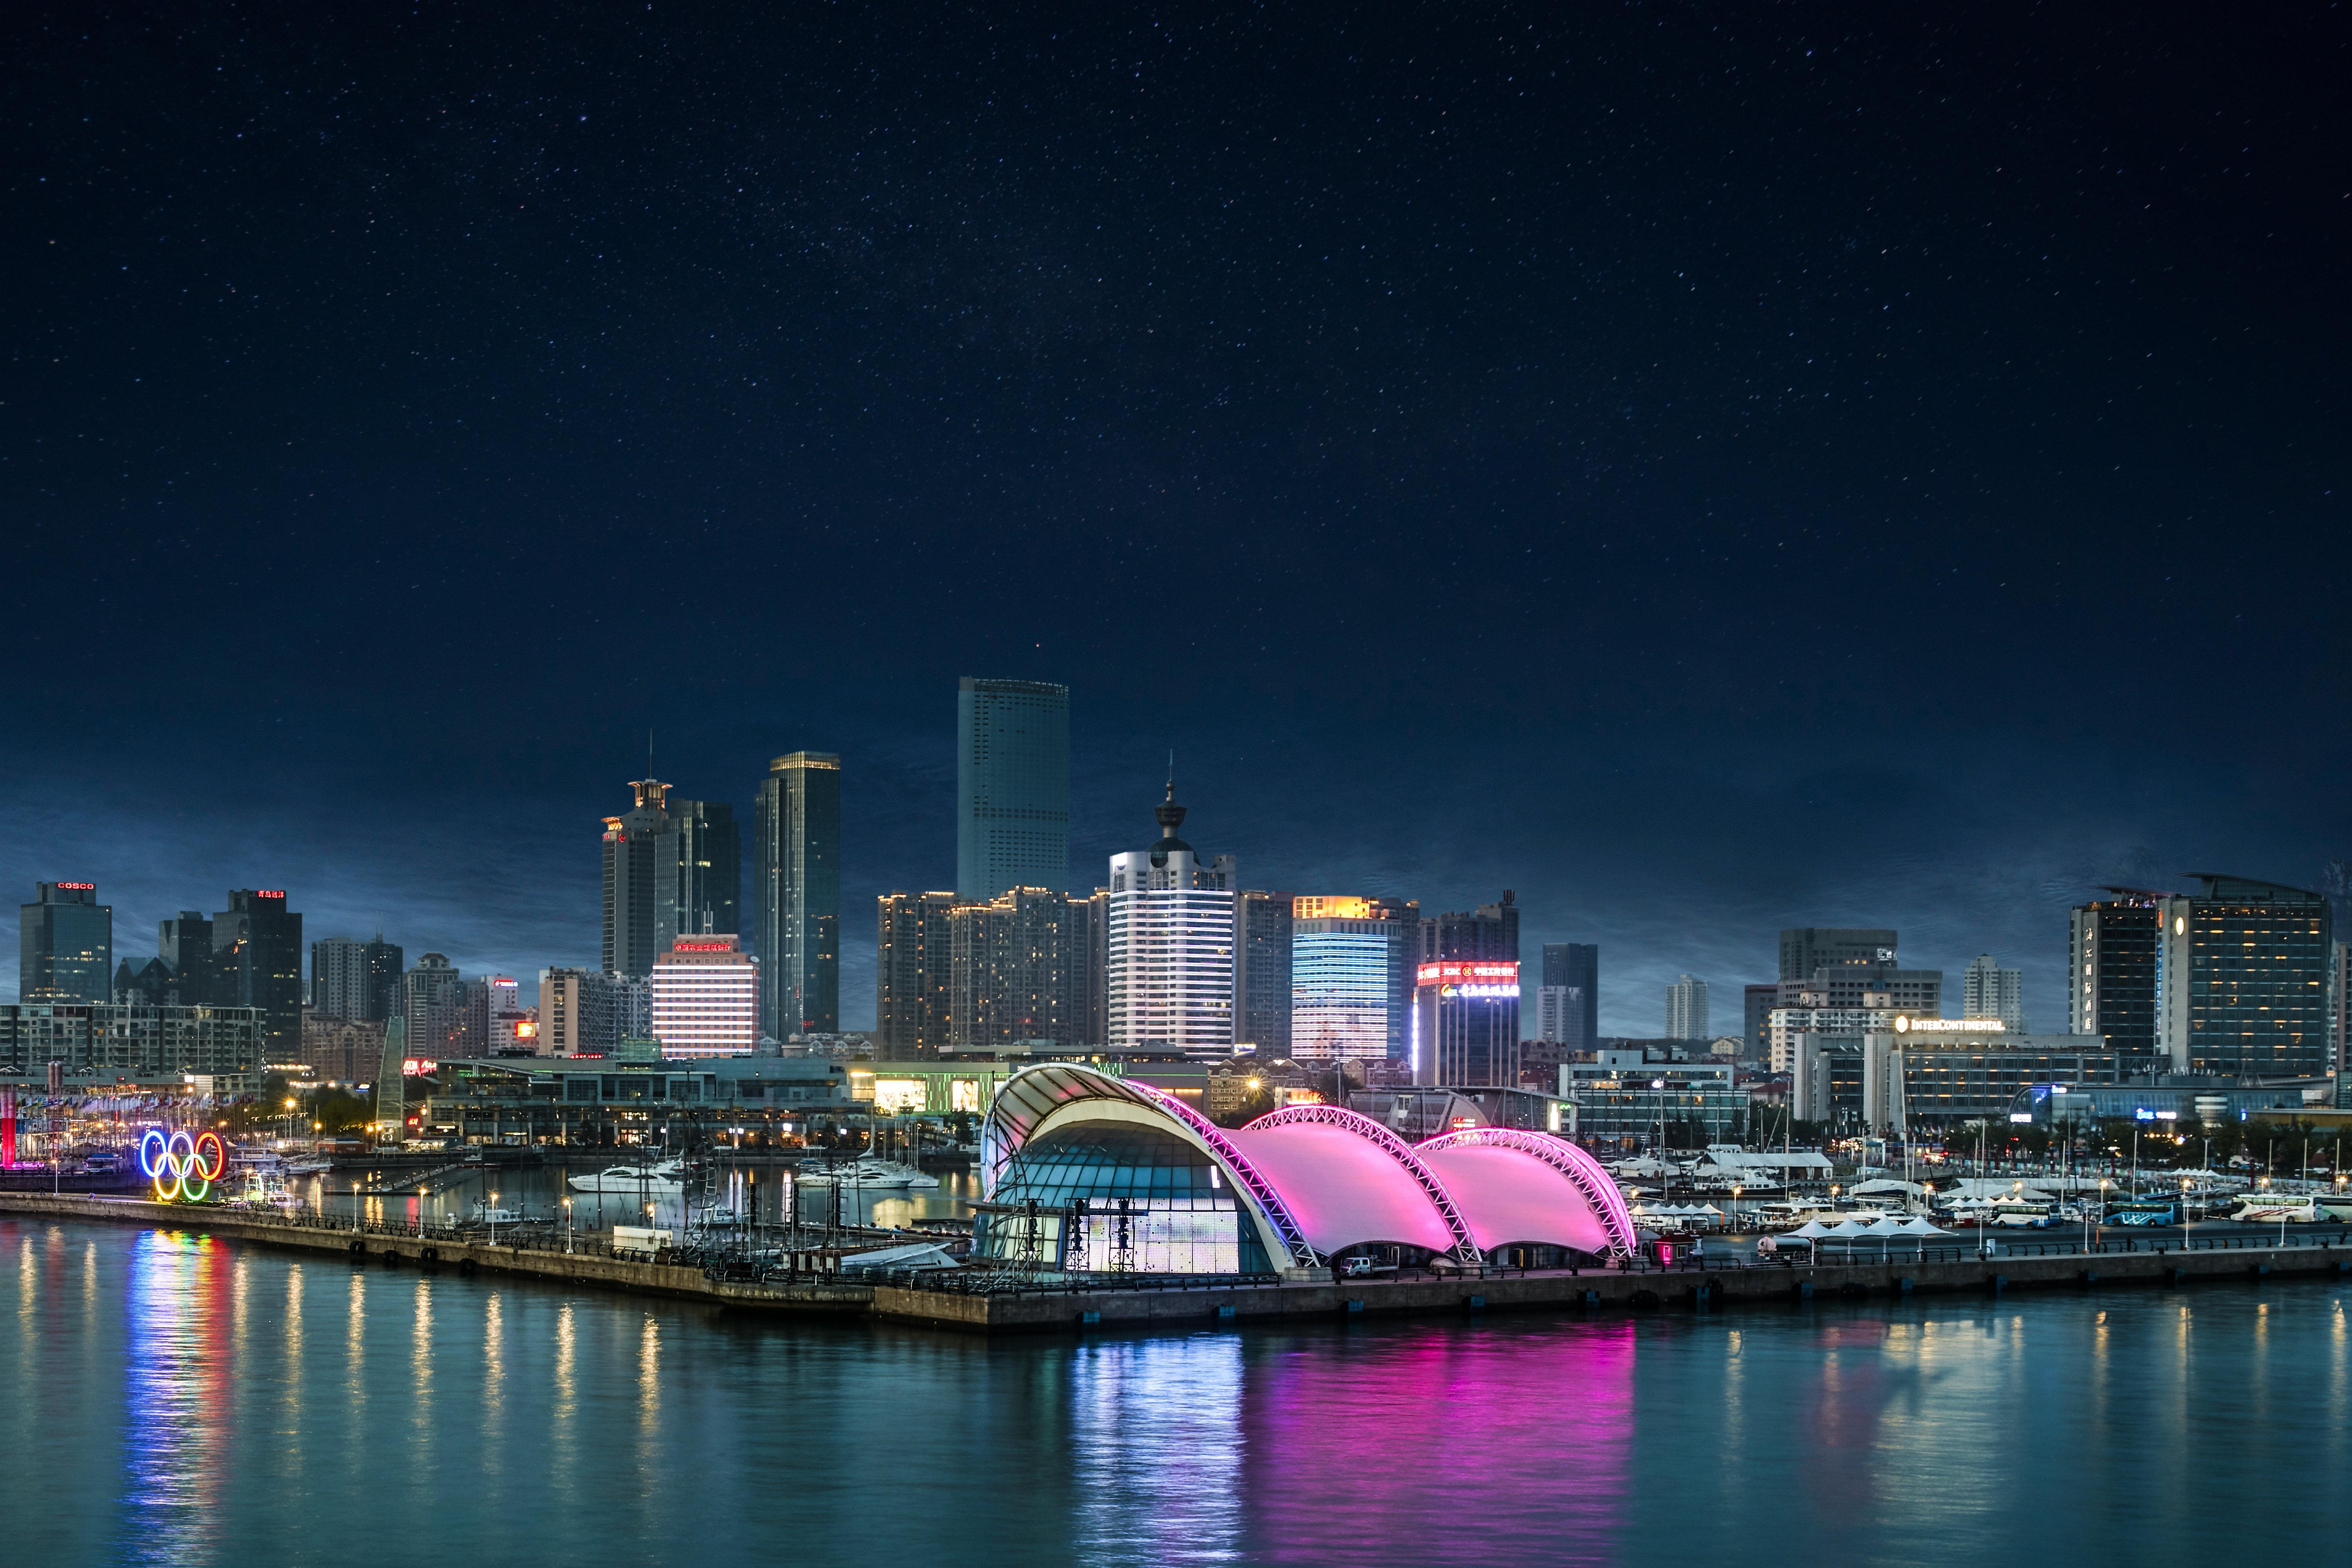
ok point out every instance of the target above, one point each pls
(1001, 1307)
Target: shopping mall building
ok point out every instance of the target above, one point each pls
(1090, 1174)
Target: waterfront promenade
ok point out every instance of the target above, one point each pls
(1000, 1305)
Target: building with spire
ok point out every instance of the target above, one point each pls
(1170, 944)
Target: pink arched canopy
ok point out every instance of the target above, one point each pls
(1529, 1187)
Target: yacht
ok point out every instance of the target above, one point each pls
(668, 1176)
(869, 1172)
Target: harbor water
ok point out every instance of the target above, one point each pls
(177, 1399)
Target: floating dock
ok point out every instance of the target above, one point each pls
(1058, 1307)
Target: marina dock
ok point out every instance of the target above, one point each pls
(1033, 1306)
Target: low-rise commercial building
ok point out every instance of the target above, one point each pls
(129, 1037)
(1631, 1098)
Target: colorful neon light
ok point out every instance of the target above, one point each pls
(183, 1168)
(1458, 971)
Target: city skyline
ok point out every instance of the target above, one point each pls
(1215, 429)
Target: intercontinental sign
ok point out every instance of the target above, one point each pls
(1909, 1026)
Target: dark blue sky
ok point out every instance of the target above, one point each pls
(1706, 468)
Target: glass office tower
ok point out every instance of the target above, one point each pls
(2242, 979)
(1013, 786)
(67, 945)
(796, 900)
(258, 952)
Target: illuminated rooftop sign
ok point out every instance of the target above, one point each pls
(702, 947)
(1457, 972)
(1949, 1026)
(76, 886)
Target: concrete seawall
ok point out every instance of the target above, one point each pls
(1044, 1310)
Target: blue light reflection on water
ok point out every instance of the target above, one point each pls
(174, 1399)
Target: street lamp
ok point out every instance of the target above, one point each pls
(492, 1215)
(567, 1224)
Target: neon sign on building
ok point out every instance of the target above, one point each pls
(183, 1168)
(1470, 978)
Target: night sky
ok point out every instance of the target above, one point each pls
(1705, 469)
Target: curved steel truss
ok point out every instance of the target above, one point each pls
(1582, 1171)
(1464, 1249)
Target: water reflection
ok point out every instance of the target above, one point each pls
(221, 1403)
(177, 1415)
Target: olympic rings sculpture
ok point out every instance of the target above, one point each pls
(183, 1168)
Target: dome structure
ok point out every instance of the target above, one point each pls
(1086, 1172)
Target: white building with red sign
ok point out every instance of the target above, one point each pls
(706, 997)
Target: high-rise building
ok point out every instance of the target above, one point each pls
(634, 882)
(584, 1013)
(1868, 985)
(185, 945)
(1352, 976)
(1568, 1002)
(1093, 912)
(431, 1003)
(1756, 1033)
(1465, 1020)
(1262, 972)
(2339, 1009)
(1170, 944)
(796, 897)
(257, 955)
(1013, 786)
(1686, 1010)
(2111, 969)
(1804, 949)
(913, 971)
(1010, 965)
(706, 997)
(67, 945)
(698, 858)
(354, 978)
(2242, 979)
(1989, 991)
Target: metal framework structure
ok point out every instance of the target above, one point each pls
(1582, 1171)
(1464, 1249)
(1025, 1100)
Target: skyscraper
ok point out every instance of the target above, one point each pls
(2111, 973)
(1756, 1034)
(185, 945)
(66, 944)
(258, 954)
(1012, 962)
(1170, 944)
(584, 1012)
(796, 900)
(1686, 1010)
(2242, 979)
(1262, 972)
(1467, 997)
(698, 855)
(1352, 976)
(1989, 991)
(354, 978)
(1567, 1002)
(1805, 949)
(1013, 786)
(634, 885)
(913, 968)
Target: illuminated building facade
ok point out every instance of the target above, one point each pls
(706, 998)
(796, 899)
(1015, 969)
(1351, 977)
(2242, 979)
(1013, 786)
(1170, 946)
(2111, 973)
(65, 941)
(258, 957)
(633, 882)
(1466, 1023)
(914, 967)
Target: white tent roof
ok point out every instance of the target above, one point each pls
(1918, 1225)
(1810, 1229)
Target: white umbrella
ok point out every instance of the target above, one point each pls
(1847, 1230)
(1918, 1225)
(1810, 1230)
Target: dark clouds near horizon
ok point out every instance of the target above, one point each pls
(1706, 468)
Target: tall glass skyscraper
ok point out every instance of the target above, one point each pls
(796, 902)
(257, 947)
(68, 945)
(1013, 786)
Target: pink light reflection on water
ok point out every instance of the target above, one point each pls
(1450, 1445)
